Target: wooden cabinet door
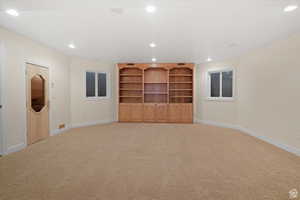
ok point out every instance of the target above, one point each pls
(130, 112)
(181, 113)
(187, 113)
(136, 112)
(124, 112)
(161, 113)
(174, 113)
(149, 112)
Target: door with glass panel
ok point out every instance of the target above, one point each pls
(37, 103)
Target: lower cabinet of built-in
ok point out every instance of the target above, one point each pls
(156, 112)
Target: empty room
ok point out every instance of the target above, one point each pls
(149, 100)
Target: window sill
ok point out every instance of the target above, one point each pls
(222, 99)
(96, 98)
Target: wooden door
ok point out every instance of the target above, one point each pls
(161, 112)
(149, 112)
(37, 103)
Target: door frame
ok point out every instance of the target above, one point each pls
(25, 102)
(2, 128)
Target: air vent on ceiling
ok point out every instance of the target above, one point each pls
(117, 11)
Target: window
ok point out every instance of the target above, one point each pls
(220, 85)
(90, 84)
(101, 84)
(96, 84)
(37, 93)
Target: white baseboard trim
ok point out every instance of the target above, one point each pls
(19, 147)
(92, 123)
(59, 131)
(15, 148)
(252, 133)
(268, 140)
(218, 124)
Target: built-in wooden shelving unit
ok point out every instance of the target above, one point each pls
(156, 93)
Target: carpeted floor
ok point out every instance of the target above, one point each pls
(149, 162)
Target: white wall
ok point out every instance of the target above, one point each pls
(18, 50)
(216, 111)
(268, 93)
(84, 111)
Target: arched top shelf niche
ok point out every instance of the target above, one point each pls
(131, 85)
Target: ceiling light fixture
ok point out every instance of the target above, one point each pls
(208, 59)
(150, 9)
(152, 45)
(290, 8)
(153, 59)
(12, 12)
(72, 46)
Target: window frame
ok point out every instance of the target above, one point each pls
(96, 97)
(208, 84)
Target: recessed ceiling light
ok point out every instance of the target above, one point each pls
(150, 9)
(208, 59)
(12, 12)
(290, 8)
(153, 59)
(152, 44)
(72, 46)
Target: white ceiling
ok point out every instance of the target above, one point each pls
(121, 30)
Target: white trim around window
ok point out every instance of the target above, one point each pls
(208, 84)
(108, 86)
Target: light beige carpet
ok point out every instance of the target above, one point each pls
(149, 162)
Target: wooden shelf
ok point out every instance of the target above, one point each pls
(131, 82)
(131, 85)
(155, 83)
(131, 74)
(181, 96)
(180, 82)
(131, 89)
(157, 93)
(175, 75)
(180, 89)
(131, 96)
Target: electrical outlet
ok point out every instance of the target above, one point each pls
(61, 126)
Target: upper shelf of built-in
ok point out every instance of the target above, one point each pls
(156, 65)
